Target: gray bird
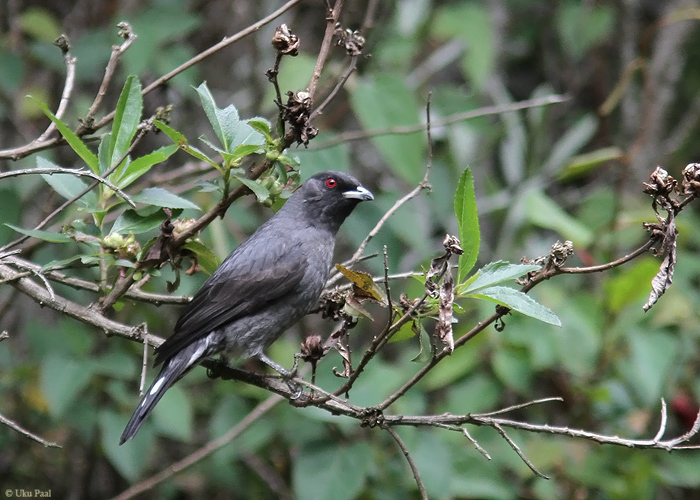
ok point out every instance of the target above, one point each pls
(266, 285)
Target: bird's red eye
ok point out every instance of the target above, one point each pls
(331, 182)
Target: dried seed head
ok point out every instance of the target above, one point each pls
(351, 40)
(691, 179)
(284, 41)
(660, 183)
(312, 348)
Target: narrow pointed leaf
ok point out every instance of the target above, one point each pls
(497, 272)
(143, 164)
(67, 185)
(126, 119)
(73, 140)
(162, 198)
(224, 121)
(260, 191)
(518, 301)
(183, 144)
(42, 235)
(468, 223)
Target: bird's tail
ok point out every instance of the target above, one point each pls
(172, 370)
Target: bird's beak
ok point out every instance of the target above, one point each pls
(359, 193)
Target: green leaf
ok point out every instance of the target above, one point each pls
(513, 368)
(652, 355)
(42, 235)
(223, 121)
(467, 222)
(364, 282)
(544, 212)
(85, 261)
(243, 150)
(260, 191)
(130, 459)
(427, 350)
(73, 140)
(518, 301)
(183, 144)
(263, 127)
(140, 221)
(67, 185)
(336, 470)
(470, 22)
(126, 119)
(497, 272)
(582, 164)
(206, 259)
(387, 101)
(62, 379)
(581, 26)
(162, 198)
(143, 164)
(570, 143)
(173, 415)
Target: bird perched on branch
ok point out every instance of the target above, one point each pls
(265, 286)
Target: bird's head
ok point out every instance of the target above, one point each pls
(329, 197)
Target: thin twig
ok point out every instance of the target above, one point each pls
(144, 363)
(521, 406)
(357, 135)
(423, 184)
(82, 193)
(350, 69)
(409, 459)
(71, 171)
(129, 36)
(331, 18)
(519, 452)
(476, 444)
(203, 452)
(18, 428)
(67, 87)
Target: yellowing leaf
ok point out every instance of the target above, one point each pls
(366, 287)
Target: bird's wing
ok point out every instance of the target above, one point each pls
(248, 280)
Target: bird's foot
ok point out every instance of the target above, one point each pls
(295, 388)
(217, 370)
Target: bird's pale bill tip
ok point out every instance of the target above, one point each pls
(359, 193)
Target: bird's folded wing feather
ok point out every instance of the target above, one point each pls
(247, 281)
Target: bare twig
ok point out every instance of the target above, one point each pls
(423, 184)
(350, 69)
(476, 444)
(519, 452)
(144, 363)
(332, 17)
(71, 171)
(409, 459)
(64, 45)
(129, 37)
(12, 425)
(82, 193)
(411, 129)
(203, 452)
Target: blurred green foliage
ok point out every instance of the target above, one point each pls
(562, 171)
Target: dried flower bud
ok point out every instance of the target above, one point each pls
(691, 179)
(352, 41)
(660, 183)
(285, 42)
(312, 348)
(560, 252)
(297, 113)
(452, 244)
